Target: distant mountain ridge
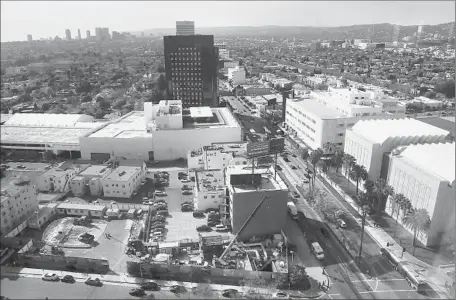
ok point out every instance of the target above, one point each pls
(376, 32)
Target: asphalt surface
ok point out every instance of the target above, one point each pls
(383, 281)
(36, 288)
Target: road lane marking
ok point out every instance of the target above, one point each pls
(388, 291)
(376, 284)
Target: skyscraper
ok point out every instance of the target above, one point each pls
(68, 34)
(79, 34)
(185, 28)
(88, 34)
(191, 69)
(29, 38)
(98, 33)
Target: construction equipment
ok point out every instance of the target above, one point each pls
(230, 245)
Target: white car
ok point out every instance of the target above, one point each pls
(50, 277)
(341, 223)
(160, 193)
(280, 295)
(185, 180)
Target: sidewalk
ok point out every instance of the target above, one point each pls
(313, 292)
(435, 276)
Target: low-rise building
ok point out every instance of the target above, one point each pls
(123, 181)
(424, 174)
(209, 190)
(92, 178)
(73, 209)
(369, 140)
(216, 156)
(56, 180)
(246, 189)
(237, 75)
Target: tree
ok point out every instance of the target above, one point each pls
(45, 106)
(103, 104)
(337, 159)
(298, 278)
(99, 114)
(430, 94)
(364, 210)
(119, 103)
(446, 87)
(348, 161)
(382, 190)
(315, 157)
(87, 98)
(369, 187)
(358, 173)
(397, 201)
(419, 221)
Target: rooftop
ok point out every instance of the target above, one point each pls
(200, 112)
(90, 207)
(123, 173)
(48, 120)
(95, 171)
(438, 159)
(209, 180)
(130, 126)
(379, 131)
(43, 135)
(57, 172)
(316, 108)
(12, 185)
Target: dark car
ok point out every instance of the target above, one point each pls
(187, 192)
(324, 232)
(150, 286)
(186, 203)
(137, 292)
(212, 223)
(295, 194)
(162, 212)
(230, 293)
(293, 167)
(294, 155)
(93, 281)
(68, 279)
(203, 228)
(279, 168)
(198, 214)
(177, 289)
(186, 208)
(286, 159)
(157, 226)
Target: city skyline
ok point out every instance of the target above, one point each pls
(135, 16)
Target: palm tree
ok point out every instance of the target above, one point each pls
(382, 190)
(329, 148)
(406, 207)
(398, 201)
(348, 161)
(358, 173)
(419, 221)
(364, 209)
(337, 159)
(315, 157)
(369, 187)
(305, 155)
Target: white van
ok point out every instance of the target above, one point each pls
(317, 250)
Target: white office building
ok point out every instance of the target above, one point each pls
(322, 117)
(209, 190)
(224, 54)
(217, 156)
(425, 175)
(237, 75)
(123, 181)
(56, 180)
(369, 140)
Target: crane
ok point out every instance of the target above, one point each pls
(230, 245)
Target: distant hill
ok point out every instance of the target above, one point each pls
(376, 32)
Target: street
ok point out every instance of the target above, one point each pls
(381, 281)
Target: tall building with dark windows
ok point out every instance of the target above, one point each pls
(191, 69)
(185, 27)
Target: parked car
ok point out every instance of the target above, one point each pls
(159, 219)
(160, 193)
(221, 229)
(93, 281)
(293, 167)
(203, 228)
(198, 214)
(150, 286)
(341, 223)
(186, 187)
(68, 279)
(137, 292)
(187, 192)
(230, 293)
(286, 159)
(324, 232)
(280, 295)
(50, 277)
(212, 223)
(295, 194)
(186, 208)
(279, 168)
(21, 167)
(294, 155)
(177, 289)
(185, 180)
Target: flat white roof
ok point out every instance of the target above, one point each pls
(42, 135)
(379, 131)
(130, 126)
(316, 108)
(438, 159)
(123, 173)
(47, 120)
(201, 112)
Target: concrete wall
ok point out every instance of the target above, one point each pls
(54, 262)
(120, 147)
(197, 274)
(270, 217)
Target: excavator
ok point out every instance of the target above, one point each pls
(234, 240)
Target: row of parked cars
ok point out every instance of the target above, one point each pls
(93, 281)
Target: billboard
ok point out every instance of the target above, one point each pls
(265, 147)
(276, 145)
(258, 149)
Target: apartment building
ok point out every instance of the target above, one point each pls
(56, 180)
(425, 175)
(217, 156)
(209, 190)
(18, 203)
(123, 181)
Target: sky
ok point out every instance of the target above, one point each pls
(51, 18)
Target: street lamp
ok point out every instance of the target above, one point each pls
(292, 256)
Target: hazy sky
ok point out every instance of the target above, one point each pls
(51, 18)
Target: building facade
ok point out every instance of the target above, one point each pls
(424, 174)
(123, 181)
(56, 180)
(185, 27)
(236, 75)
(209, 190)
(191, 69)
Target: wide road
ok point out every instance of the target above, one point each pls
(36, 288)
(383, 282)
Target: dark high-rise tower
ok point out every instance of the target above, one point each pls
(191, 69)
